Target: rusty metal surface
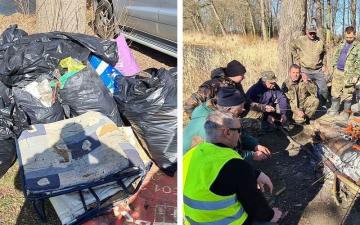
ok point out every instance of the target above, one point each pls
(154, 204)
(340, 147)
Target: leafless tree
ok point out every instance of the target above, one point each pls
(292, 24)
(319, 17)
(211, 3)
(264, 30)
(353, 12)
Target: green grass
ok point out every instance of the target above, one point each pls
(14, 209)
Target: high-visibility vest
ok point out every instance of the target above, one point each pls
(201, 166)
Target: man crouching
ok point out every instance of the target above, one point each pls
(301, 93)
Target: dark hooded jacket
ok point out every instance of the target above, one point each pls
(260, 94)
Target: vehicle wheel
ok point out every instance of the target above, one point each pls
(104, 20)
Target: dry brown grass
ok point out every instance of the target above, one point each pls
(202, 53)
(28, 22)
(25, 22)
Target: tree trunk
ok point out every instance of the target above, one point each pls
(61, 15)
(353, 12)
(217, 18)
(328, 22)
(334, 14)
(195, 24)
(292, 24)
(329, 38)
(198, 17)
(311, 16)
(263, 21)
(319, 17)
(251, 20)
(271, 26)
(243, 28)
(343, 17)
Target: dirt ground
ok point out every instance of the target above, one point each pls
(302, 187)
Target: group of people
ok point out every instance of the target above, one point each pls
(219, 185)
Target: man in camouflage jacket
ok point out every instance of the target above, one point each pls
(301, 93)
(231, 76)
(308, 51)
(346, 66)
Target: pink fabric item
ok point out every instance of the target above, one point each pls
(127, 64)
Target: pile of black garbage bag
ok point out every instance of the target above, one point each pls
(149, 102)
(29, 62)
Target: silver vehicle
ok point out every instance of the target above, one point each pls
(148, 22)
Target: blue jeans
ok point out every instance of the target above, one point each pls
(319, 78)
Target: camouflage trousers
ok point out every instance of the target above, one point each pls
(251, 123)
(311, 104)
(341, 87)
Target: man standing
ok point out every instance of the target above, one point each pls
(231, 76)
(267, 92)
(346, 73)
(301, 93)
(228, 100)
(308, 51)
(218, 185)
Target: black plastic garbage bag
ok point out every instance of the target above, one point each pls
(5, 96)
(35, 110)
(150, 105)
(85, 91)
(12, 34)
(7, 142)
(6, 108)
(24, 59)
(7, 155)
(6, 124)
(12, 119)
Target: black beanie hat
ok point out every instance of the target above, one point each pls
(228, 97)
(234, 68)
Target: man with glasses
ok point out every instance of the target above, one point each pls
(267, 92)
(301, 93)
(346, 72)
(218, 185)
(308, 51)
(228, 100)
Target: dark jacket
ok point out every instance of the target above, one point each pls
(195, 128)
(260, 94)
(209, 89)
(239, 177)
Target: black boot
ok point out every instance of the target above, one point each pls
(335, 106)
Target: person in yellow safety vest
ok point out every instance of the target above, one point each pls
(219, 187)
